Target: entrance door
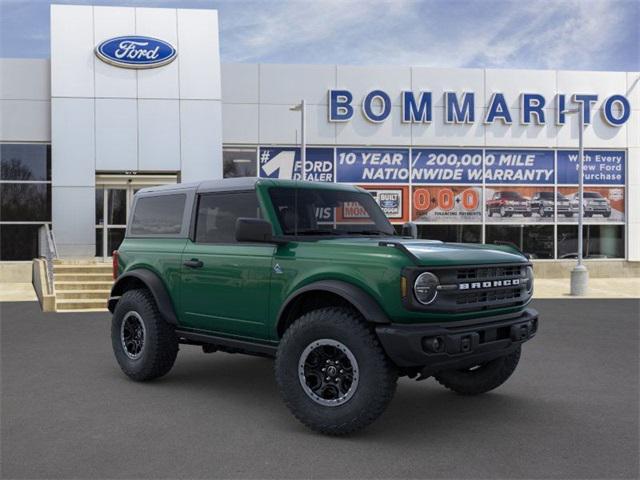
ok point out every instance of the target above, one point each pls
(114, 198)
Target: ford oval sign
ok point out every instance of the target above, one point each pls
(134, 51)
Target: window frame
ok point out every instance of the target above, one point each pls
(186, 213)
(196, 214)
(48, 168)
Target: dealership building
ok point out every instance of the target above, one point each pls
(470, 155)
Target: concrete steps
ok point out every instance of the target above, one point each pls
(81, 287)
(80, 294)
(82, 304)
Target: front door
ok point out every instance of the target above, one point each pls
(114, 198)
(225, 284)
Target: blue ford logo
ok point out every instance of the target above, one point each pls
(389, 204)
(134, 51)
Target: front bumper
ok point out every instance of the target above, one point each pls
(566, 209)
(602, 210)
(517, 209)
(461, 344)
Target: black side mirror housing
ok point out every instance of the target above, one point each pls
(410, 229)
(255, 230)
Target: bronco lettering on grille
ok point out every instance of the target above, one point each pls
(489, 284)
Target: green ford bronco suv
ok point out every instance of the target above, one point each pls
(314, 275)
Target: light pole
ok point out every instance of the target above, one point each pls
(580, 274)
(303, 141)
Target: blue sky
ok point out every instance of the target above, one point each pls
(560, 34)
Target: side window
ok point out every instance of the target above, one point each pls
(218, 212)
(158, 215)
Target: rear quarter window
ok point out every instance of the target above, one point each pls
(158, 215)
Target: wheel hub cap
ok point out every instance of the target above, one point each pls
(328, 372)
(132, 335)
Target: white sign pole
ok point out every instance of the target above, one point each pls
(580, 274)
(303, 140)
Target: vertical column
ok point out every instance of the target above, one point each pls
(200, 95)
(73, 130)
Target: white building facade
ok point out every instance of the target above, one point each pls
(470, 155)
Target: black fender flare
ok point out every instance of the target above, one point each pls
(153, 283)
(362, 301)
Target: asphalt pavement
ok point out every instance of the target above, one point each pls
(570, 411)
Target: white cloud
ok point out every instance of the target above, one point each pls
(532, 34)
(554, 34)
(281, 27)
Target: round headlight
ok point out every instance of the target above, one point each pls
(530, 280)
(425, 288)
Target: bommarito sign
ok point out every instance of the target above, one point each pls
(460, 108)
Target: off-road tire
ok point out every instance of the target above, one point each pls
(377, 375)
(482, 379)
(160, 345)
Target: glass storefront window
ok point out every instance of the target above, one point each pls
(599, 241)
(99, 242)
(18, 242)
(25, 162)
(535, 240)
(99, 206)
(25, 198)
(239, 162)
(117, 207)
(451, 233)
(25, 202)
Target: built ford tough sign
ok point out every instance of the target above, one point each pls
(314, 275)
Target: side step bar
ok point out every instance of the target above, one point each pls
(226, 344)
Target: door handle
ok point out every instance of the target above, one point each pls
(193, 263)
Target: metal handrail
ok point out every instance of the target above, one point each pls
(47, 248)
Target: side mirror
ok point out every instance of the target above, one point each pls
(410, 229)
(255, 230)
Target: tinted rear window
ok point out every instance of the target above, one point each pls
(160, 215)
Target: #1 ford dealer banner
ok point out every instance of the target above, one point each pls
(285, 163)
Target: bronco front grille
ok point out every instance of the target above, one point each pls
(477, 288)
(489, 296)
(483, 273)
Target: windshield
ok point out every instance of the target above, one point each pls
(310, 211)
(546, 195)
(511, 196)
(592, 195)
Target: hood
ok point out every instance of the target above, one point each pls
(435, 253)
